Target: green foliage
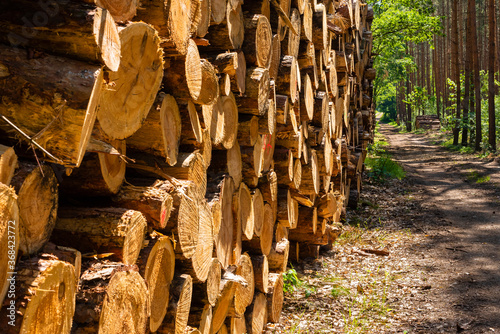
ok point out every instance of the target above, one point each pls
(475, 176)
(291, 281)
(398, 23)
(379, 163)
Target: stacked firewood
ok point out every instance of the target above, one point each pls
(162, 162)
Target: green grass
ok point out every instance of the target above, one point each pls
(475, 176)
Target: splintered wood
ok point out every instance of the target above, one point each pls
(188, 149)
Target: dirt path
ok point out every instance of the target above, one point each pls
(460, 221)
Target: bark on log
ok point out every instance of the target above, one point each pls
(262, 244)
(278, 257)
(256, 98)
(131, 90)
(31, 296)
(100, 174)
(120, 10)
(261, 272)
(177, 317)
(175, 21)
(113, 298)
(288, 208)
(288, 78)
(256, 314)
(234, 64)
(78, 30)
(161, 131)
(258, 41)
(117, 231)
(38, 199)
(290, 45)
(230, 33)
(8, 163)
(156, 265)
(275, 297)
(51, 99)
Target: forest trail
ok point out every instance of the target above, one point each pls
(458, 211)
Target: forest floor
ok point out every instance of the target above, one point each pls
(440, 226)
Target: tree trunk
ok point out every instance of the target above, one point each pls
(491, 76)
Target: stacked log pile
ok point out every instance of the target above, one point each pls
(178, 153)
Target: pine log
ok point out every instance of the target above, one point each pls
(228, 162)
(290, 45)
(53, 100)
(131, 90)
(262, 7)
(221, 308)
(8, 163)
(275, 297)
(282, 108)
(243, 211)
(252, 159)
(268, 186)
(78, 30)
(258, 212)
(207, 292)
(112, 298)
(307, 221)
(327, 206)
(120, 10)
(237, 325)
(310, 184)
(278, 10)
(258, 41)
(113, 230)
(320, 30)
(176, 320)
(292, 140)
(248, 130)
(65, 254)
(31, 297)
(201, 319)
(307, 22)
(205, 12)
(261, 272)
(243, 294)
(278, 256)
(100, 174)
(307, 98)
(284, 166)
(198, 265)
(9, 236)
(256, 314)
(175, 21)
(274, 63)
(218, 11)
(223, 241)
(161, 131)
(281, 232)
(288, 78)
(288, 208)
(221, 118)
(156, 265)
(234, 64)
(38, 200)
(256, 98)
(230, 33)
(262, 244)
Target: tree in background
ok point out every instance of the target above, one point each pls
(491, 77)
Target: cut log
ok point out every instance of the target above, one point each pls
(8, 163)
(218, 11)
(261, 272)
(256, 98)
(288, 208)
(177, 317)
(65, 254)
(221, 308)
(198, 265)
(288, 78)
(243, 294)
(223, 241)
(100, 174)
(112, 298)
(320, 30)
(290, 45)
(161, 131)
(248, 131)
(131, 90)
(120, 10)
(307, 22)
(31, 296)
(53, 100)
(114, 230)
(221, 118)
(202, 320)
(268, 186)
(78, 30)
(258, 212)
(262, 7)
(256, 314)
(156, 265)
(230, 33)
(234, 64)
(310, 176)
(205, 12)
(262, 244)
(207, 292)
(252, 159)
(238, 325)
(9, 236)
(278, 257)
(243, 210)
(275, 297)
(175, 21)
(274, 63)
(258, 41)
(38, 200)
